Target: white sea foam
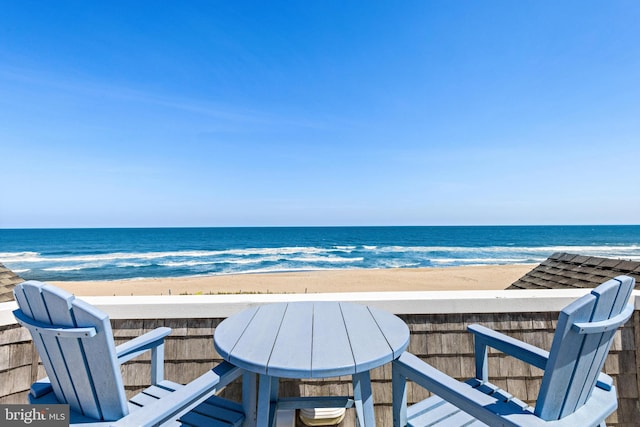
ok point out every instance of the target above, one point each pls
(302, 258)
(328, 259)
(396, 263)
(345, 248)
(513, 249)
(277, 269)
(484, 260)
(187, 263)
(627, 251)
(65, 268)
(7, 257)
(218, 261)
(133, 264)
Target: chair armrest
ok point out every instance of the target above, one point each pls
(135, 347)
(604, 382)
(154, 341)
(184, 399)
(519, 349)
(41, 387)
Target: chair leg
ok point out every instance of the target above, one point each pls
(399, 390)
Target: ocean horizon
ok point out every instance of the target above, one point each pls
(130, 253)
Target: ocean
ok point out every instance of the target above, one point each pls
(129, 253)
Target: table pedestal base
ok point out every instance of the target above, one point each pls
(263, 413)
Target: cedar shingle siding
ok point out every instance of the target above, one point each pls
(8, 279)
(566, 271)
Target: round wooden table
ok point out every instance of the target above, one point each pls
(311, 340)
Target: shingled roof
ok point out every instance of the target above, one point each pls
(8, 280)
(564, 271)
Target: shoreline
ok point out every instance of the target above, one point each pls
(484, 277)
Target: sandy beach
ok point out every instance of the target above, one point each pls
(419, 279)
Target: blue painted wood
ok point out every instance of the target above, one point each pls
(485, 337)
(75, 342)
(138, 345)
(264, 401)
(346, 338)
(273, 400)
(331, 353)
(588, 360)
(56, 332)
(399, 395)
(97, 374)
(296, 330)
(185, 398)
(255, 342)
(31, 304)
(215, 411)
(69, 359)
(250, 397)
(227, 338)
(476, 400)
(363, 399)
(606, 338)
(574, 391)
(394, 330)
(436, 412)
(369, 345)
(575, 360)
(604, 325)
(311, 340)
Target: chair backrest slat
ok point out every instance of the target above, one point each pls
(575, 359)
(601, 343)
(59, 309)
(84, 372)
(102, 362)
(31, 303)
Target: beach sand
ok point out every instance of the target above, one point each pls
(394, 279)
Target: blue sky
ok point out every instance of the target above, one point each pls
(211, 113)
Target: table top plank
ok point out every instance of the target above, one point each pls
(291, 356)
(255, 344)
(332, 355)
(368, 344)
(226, 338)
(395, 331)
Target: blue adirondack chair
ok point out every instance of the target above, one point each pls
(573, 392)
(76, 346)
